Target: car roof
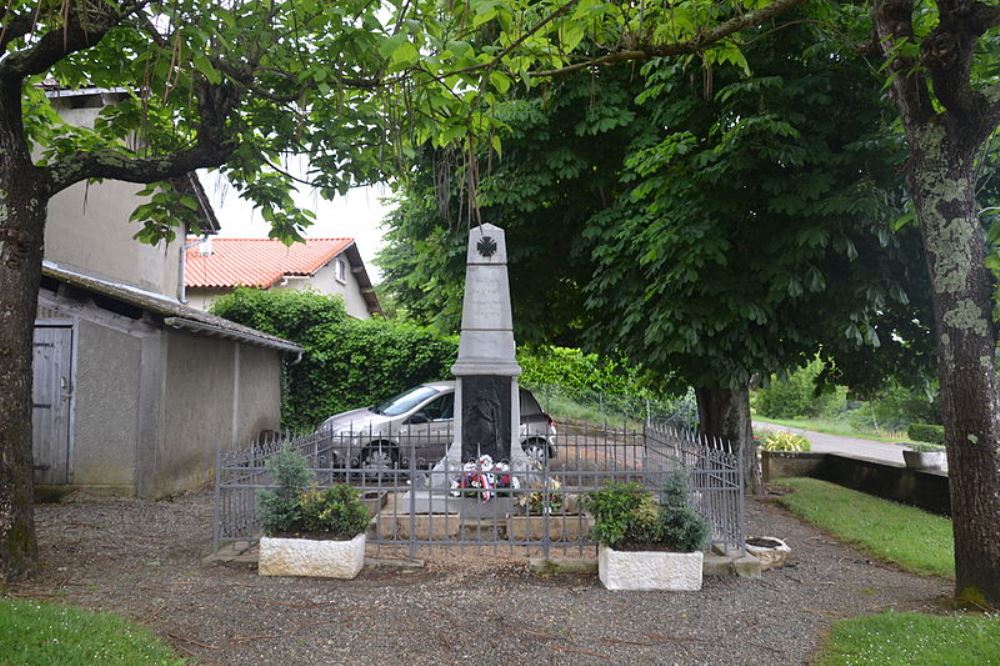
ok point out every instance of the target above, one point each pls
(440, 385)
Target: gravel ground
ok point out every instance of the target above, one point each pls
(144, 560)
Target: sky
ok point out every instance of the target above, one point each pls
(357, 215)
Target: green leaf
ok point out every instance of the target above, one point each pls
(204, 65)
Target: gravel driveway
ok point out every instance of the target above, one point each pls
(144, 560)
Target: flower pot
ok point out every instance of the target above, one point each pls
(934, 460)
(771, 552)
(322, 558)
(562, 527)
(649, 570)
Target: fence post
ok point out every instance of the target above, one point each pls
(216, 499)
(413, 500)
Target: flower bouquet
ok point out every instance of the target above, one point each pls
(484, 479)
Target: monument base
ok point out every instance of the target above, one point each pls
(449, 468)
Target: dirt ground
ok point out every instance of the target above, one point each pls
(144, 560)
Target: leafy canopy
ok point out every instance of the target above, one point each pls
(354, 87)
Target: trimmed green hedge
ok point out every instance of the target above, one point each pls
(348, 363)
(926, 432)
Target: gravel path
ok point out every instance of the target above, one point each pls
(144, 560)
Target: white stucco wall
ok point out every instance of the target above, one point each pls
(88, 228)
(325, 282)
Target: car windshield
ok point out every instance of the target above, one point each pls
(529, 405)
(404, 402)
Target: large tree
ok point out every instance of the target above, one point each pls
(944, 83)
(726, 224)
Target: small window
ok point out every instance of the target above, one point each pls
(341, 270)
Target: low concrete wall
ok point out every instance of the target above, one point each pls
(925, 489)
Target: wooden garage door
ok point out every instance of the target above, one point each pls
(52, 389)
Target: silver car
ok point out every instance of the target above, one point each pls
(418, 423)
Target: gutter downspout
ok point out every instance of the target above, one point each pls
(181, 264)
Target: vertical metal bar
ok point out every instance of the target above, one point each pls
(413, 506)
(216, 504)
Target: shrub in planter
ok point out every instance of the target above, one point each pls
(785, 441)
(921, 455)
(309, 531)
(645, 544)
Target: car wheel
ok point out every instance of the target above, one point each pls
(536, 450)
(379, 456)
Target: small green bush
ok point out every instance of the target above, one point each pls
(925, 447)
(295, 507)
(278, 510)
(785, 441)
(336, 510)
(796, 396)
(627, 516)
(926, 432)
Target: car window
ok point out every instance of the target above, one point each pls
(529, 405)
(404, 402)
(442, 408)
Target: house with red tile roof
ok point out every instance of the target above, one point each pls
(332, 266)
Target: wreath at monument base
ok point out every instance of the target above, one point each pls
(484, 479)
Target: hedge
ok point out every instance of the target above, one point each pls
(926, 432)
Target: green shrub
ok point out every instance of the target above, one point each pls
(336, 510)
(348, 363)
(627, 516)
(278, 510)
(924, 447)
(796, 396)
(926, 432)
(295, 507)
(785, 441)
(287, 313)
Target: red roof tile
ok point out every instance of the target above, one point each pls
(257, 262)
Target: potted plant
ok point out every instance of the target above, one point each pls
(645, 544)
(921, 455)
(309, 531)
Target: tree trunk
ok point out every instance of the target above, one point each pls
(942, 182)
(725, 413)
(23, 204)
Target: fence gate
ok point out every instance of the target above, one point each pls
(51, 392)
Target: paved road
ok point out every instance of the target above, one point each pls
(852, 446)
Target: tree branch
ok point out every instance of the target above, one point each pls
(894, 25)
(212, 148)
(699, 43)
(947, 53)
(14, 26)
(86, 23)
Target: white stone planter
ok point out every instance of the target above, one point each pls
(771, 551)
(322, 558)
(935, 460)
(649, 570)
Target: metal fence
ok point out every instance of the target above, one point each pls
(417, 501)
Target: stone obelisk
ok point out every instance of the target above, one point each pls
(487, 404)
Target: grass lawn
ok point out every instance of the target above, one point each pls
(901, 639)
(833, 427)
(32, 632)
(916, 540)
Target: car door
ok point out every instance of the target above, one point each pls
(432, 437)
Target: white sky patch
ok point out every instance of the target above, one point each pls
(358, 215)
